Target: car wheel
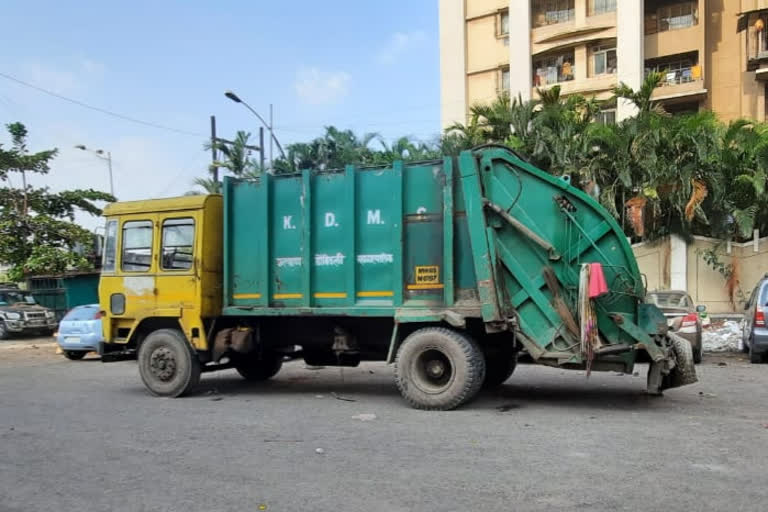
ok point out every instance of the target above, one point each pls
(754, 357)
(74, 355)
(3, 331)
(439, 369)
(168, 364)
(255, 370)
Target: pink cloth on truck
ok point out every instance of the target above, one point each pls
(597, 284)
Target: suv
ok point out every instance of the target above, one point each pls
(755, 336)
(20, 314)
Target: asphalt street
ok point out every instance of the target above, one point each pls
(85, 436)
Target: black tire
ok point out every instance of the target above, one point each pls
(74, 355)
(755, 357)
(745, 347)
(684, 371)
(168, 364)
(256, 370)
(3, 331)
(439, 369)
(499, 366)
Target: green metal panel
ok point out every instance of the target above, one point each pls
(63, 292)
(428, 241)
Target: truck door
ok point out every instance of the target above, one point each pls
(177, 271)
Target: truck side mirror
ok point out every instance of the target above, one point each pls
(701, 308)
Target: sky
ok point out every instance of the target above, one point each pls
(364, 65)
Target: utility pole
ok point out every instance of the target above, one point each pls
(261, 147)
(214, 157)
(111, 180)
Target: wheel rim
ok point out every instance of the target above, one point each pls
(2, 329)
(162, 364)
(434, 370)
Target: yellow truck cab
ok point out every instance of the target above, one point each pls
(161, 270)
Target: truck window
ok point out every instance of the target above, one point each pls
(178, 243)
(137, 246)
(110, 247)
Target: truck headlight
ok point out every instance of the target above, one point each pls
(50, 314)
(13, 316)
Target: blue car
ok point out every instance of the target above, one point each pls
(80, 331)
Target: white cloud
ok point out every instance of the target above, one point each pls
(318, 87)
(398, 44)
(63, 78)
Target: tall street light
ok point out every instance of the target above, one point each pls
(232, 96)
(100, 154)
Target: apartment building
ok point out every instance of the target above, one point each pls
(713, 53)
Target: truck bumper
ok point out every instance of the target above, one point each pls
(111, 352)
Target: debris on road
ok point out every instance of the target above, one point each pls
(339, 397)
(507, 407)
(319, 451)
(722, 336)
(364, 417)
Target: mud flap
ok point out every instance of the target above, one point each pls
(674, 371)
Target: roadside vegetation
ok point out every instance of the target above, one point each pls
(658, 174)
(38, 234)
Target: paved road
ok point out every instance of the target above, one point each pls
(84, 436)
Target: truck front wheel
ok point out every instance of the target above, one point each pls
(439, 369)
(168, 364)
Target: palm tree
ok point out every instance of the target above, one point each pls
(237, 154)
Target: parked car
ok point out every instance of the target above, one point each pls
(755, 337)
(20, 314)
(80, 331)
(683, 317)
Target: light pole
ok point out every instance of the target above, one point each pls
(234, 97)
(100, 154)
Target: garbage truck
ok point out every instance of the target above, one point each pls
(454, 270)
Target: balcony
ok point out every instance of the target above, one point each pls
(672, 28)
(553, 69)
(757, 40)
(682, 77)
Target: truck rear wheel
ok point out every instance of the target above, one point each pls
(498, 368)
(168, 364)
(257, 369)
(439, 369)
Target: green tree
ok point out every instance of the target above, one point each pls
(37, 230)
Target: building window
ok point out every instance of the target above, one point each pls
(552, 69)
(671, 17)
(676, 69)
(682, 109)
(503, 24)
(549, 12)
(137, 246)
(178, 243)
(601, 6)
(757, 36)
(604, 60)
(504, 80)
(607, 116)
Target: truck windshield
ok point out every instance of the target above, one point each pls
(14, 297)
